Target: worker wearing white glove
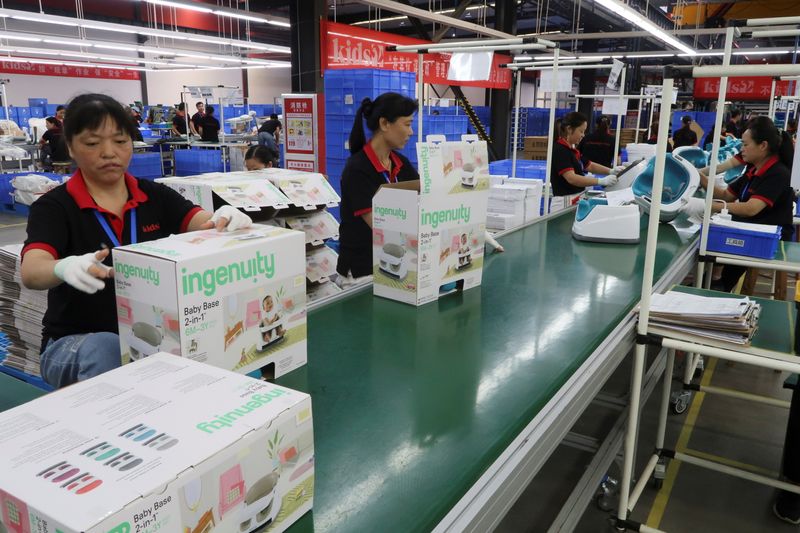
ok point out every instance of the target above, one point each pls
(608, 181)
(101, 206)
(86, 272)
(228, 218)
(617, 170)
(695, 208)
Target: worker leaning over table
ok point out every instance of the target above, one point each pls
(763, 195)
(72, 228)
(568, 168)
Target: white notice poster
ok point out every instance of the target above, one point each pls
(564, 84)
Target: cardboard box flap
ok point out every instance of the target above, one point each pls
(250, 194)
(413, 185)
(307, 190)
(320, 264)
(63, 441)
(204, 242)
(318, 226)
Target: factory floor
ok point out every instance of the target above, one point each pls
(692, 499)
(739, 433)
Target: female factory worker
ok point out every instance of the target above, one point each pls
(52, 143)
(71, 228)
(371, 164)
(763, 195)
(568, 170)
(598, 146)
(259, 157)
(685, 136)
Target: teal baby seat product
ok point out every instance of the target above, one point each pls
(596, 221)
(681, 180)
(694, 155)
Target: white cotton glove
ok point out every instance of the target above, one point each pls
(74, 270)
(229, 218)
(609, 180)
(617, 170)
(695, 207)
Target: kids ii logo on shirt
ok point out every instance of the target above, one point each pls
(149, 228)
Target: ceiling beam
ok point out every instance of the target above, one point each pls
(423, 14)
(441, 32)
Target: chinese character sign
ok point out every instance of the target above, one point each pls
(301, 132)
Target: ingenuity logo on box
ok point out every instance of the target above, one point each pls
(209, 279)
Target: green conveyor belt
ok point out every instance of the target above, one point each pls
(411, 405)
(14, 392)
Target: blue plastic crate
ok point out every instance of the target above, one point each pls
(36, 381)
(145, 165)
(35, 102)
(189, 162)
(50, 109)
(743, 242)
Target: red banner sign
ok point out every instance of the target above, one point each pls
(20, 67)
(349, 47)
(743, 88)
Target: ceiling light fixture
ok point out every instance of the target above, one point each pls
(618, 8)
(43, 18)
(403, 17)
(189, 6)
(231, 13)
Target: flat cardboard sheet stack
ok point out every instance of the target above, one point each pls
(704, 319)
(513, 203)
(21, 313)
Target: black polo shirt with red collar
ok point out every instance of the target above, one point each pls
(363, 174)
(63, 223)
(566, 158)
(772, 185)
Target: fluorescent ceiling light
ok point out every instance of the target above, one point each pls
(618, 8)
(35, 19)
(44, 18)
(189, 6)
(403, 17)
(645, 55)
(19, 38)
(761, 52)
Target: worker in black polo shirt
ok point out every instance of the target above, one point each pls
(179, 121)
(685, 136)
(371, 164)
(733, 126)
(598, 146)
(568, 167)
(209, 126)
(197, 118)
(72, 227)
(763, 195)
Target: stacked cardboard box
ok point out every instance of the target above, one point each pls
(513, 203)
(535, 147)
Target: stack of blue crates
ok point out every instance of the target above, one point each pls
(146, 166)
(344, 91)
(704, 119)
(526, 168)
(197, 161)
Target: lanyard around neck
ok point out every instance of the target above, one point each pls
(110, 232)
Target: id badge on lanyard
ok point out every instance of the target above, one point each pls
(386, 176)
(110, 232)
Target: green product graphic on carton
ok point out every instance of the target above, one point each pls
(208, 280)
(227, 420)
(148, 274)
(434, 218)
(397, 212)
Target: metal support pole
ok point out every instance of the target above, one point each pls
(551, 125)
(647, 289)
(772, 100)
(420, 95)
(619, 115)
(639, 113)
(712, 170)
(515, 139)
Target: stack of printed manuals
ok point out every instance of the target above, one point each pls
(704, 318)
(21, 313)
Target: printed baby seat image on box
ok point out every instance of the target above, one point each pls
(212, 450)
(424, 234)
(233, 300)
(461, 166)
